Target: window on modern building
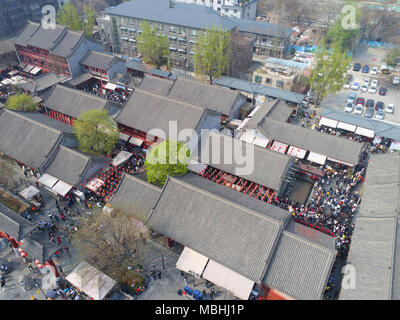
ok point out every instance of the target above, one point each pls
(172, 29)
(193, 33)
(218, 9)
(268, 80)
(279, 83)
(258, 79)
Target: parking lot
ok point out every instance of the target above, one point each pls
(338, 100)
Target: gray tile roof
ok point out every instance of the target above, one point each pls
(181, 14)
(269, 169)
(381, 195)
(98, 60)
(26, 140)
(239, 198)
(256, 88)
(42, 82)
(208, 96)
(262, 27)
(135, 65)
(6, 46)
(371, 254)
(84, 76)
(73, 102)
(331, 146)
(146, 110)
(239, 238)
(69, 165)
(381, 128)
(59, 41)
(138, 194)
(156, 85)
(13, 224)
(299, 268)
(39, 247)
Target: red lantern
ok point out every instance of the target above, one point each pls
(24, 254)
(40, 266)
(20, 250)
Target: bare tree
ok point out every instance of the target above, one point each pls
(379, 25)
(7, 171)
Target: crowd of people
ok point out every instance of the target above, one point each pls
(96, 88)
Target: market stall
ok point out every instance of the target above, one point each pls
(29, 193)
(121, 158)
(48, 180)
(296, 152)
(94, 184)
(279, 147)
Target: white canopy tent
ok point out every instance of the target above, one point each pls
(61, 188)
(48, 180)
(196, 167)
(6, 82)
(365, 132)
(296, 152)
(91, 281)
(35, 70)
(230, 280)
(247, 137)
(28, 68)
(110, 86)
(279, 147)
(328, 122)
(121, 158)
(317, 158)
(262, 142)
(29, 193)
(346, 126)
(94, 184)
(135, 141)
(13, 73)
(192, 262)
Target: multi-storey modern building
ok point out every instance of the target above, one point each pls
(58, 50)
(183, 23)
(242, 9)
(15, 13)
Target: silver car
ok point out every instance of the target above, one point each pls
(380, 114)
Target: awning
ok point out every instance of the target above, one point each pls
(135, 141)
(342, 162)
(316, 157)
(29, 193)
(94, 184)
(121, 158)
(13, 73)
(247, 137)
(35, 71)
(110, 86)
(296, 152)
(28, 68)
(328, 122)
(7, 82)
(254, 111)
(48, 180)
(22, 65)
(80, 79)
(17, 79)
(346, 126)
(262, 142)
(365, 132)
(192, 262)
(243, 123)
(124, 137)
(228, 279)
(196, 167)
(279, 147)
(61, 188)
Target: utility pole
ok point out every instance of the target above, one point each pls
(162, 259)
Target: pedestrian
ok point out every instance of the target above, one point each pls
(66, 250)
(58, 240)
(61, 271)
(159, 274)
(30, 266)
(3, 284)
(56, 218)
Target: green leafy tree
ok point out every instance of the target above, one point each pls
(69, 17)
(90, 14)
(21, 102)
(167, 158)
(153, 47)
(211, 57)
(342, 33)
(328, 75)
(392, 58)
(96, 131)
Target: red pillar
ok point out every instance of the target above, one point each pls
(52, 267)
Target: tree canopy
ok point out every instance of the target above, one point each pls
(97, 132)
(68, 16)
(22, 102)
(328, 75)
(153, 47)
(90, 22)
(167, 158)
(212, 51)
(392, 57)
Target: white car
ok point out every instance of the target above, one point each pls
(355, 86)
(358, 110)
(348, 107)
(364, 88)
(396, 81)
(372, 90)
(374, 83)
(374, 71)
(380, 114)
(389, 108)
(367, 81)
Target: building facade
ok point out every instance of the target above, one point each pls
(241, 9)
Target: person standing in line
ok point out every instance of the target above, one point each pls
(3, 284)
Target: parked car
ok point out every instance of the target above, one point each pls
(369, 113)
(352, 97)
(349, 107)
(382, 91)
(364, 88)
(370, 103)
(372, 90)
(365, 69)
(360, 101)
(358, 110)
(379, 106)
(355, 86)
(389, 108)
(347, 84)
(374, 71)
(357, 67)
(374, 83)
(396, 81)
(380, 115)
(367, 81)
